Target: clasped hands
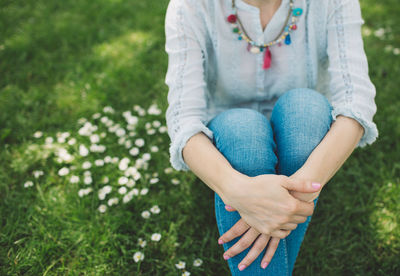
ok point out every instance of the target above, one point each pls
(270, 208)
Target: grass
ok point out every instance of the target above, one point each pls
(62, 61)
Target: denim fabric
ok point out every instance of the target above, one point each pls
(255, 144)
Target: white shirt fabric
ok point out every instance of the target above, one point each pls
(210, 70)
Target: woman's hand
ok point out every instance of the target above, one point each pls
(253, 236)
(264, 202)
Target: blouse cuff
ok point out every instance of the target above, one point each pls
(176, 147)
(370, 129)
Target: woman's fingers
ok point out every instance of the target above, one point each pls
(281, 234)
(289, 226)
(248, 238)
(237, 230)
(272, 246)
(255, 251)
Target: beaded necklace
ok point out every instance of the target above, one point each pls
(254, 48)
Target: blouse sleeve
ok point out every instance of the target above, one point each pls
(352, 91)
(186, 112)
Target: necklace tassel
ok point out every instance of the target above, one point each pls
(267, 59)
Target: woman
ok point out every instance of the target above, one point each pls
(267, 99)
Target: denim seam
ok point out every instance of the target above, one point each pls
(286, 256)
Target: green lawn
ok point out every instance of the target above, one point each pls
(63, 62)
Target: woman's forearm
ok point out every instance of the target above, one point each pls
(208, 163)
(331, 153)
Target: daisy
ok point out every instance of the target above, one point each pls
(112, 201)
(94, 138)
(144, 191)
(168, 170)
(122, 190)
(163, 129)
(175, 181)
(99, 162)
(122, 180)
(134, 151)
(74, 179)
(88, 180)
(186, 273)
(63, 171)
(138, 256)
(142, 243)
(156, 237)
(146, 214)
(197, 262)
(156, 124)
(154, 149)
(102, 208)
(37, 174)
(28, 184)
(72, 141)
(155, 209)
(180, 265)
(139, 142)
(154, 180)
(38, 134)
(49, 140)
(151, 131)
(83, 151)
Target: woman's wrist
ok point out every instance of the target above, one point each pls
(230, 183)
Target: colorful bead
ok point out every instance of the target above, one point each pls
(255, 50)
(240, 37)
(286, 28)
(287, 40)
(232, 18)
(297, 11)
(236, 30)
(294, 27)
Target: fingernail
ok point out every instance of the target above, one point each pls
(264, 265)
(227, 207)
(316, 185)
(220, 241)
(226, 257)
(241, 267)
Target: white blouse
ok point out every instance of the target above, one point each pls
(210, 70)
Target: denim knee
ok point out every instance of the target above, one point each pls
(300, 120)
(244, 136)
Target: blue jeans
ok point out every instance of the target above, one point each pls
(255, 145)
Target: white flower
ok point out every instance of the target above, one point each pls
(154, 149)
(107, 189)
(87, 180)
(94, 138)
(180, 265)
(99, 162)
(175, 181)
(72, 141)
(132, 133)
(163, 129)
(156, 237)
(154, 110)
(142, 243)
(83, 151)
(82, 121)
(130, 183)
(122, 190)
(86, 165)
(96, 116)
(155, 209)
(63, 171)
(49, 140)
(28, 184)
(115, 160)
(127, 198)
(120, 132)
(139, 142)
(168, 170)
(156, 124)
(379, 32)
(87, 173)
(396, 51)
(64, 155)
(123, 164)
(134, 151)
(151, 131)
(134, 191)
(132, 120)
(112, 201)
(74, 179)
(186, 273)
(107, 159)
(154, 180)
(37, 174)
(144, 191)
(197, 262)
(83, 192)
(146, 156)
(122, 180)
(105, 179)
(146, 214)
(102, 195)
(128, 144)
(138, 256)
(102, 208)
(103, 134)
(108, 109)
(38, 134)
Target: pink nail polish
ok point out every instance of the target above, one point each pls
(226, 257)
(241, 267)
(220, 241)
(316, 185)
(227, 207)
(264, 265)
